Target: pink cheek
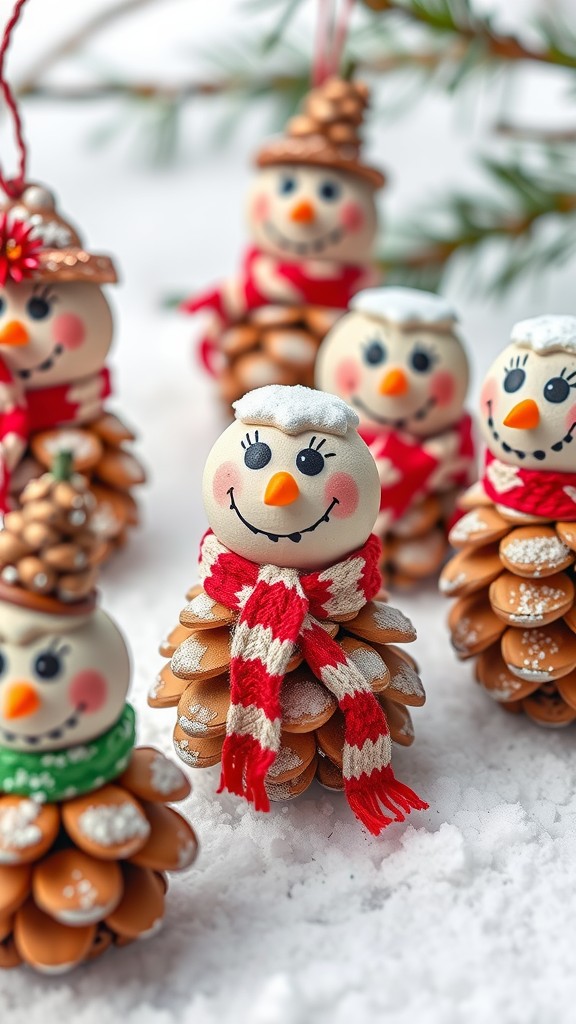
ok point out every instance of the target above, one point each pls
(68, 330)
(226, 476)
(347, 376)
(88, 689)
(488, 396)
(352, 217)
(571, 418)
(260, 208)
(343, 487)
(442, 387)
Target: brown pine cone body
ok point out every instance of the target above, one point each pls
(515, 614)
(416, 546)
(87, 874)
(102, 454)
(196, 681)
(272, 345)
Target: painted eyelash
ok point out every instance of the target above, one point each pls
(570, 377)
(327, 455)
(55, 649)
(250, 443)
(432, 354)
(515, 364)
(45, 292)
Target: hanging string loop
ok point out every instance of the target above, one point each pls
(13, 187)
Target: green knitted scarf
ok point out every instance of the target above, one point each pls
(54, 775)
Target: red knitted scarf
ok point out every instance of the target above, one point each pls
(408, 471)
(545, 493)
(279, 610)
(22, 413)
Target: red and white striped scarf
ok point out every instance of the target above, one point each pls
(279, 610)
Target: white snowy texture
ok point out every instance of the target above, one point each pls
(404, 306)
(463, 914)
(295, 409)
(546, 334)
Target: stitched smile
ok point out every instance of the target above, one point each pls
(419, 415)
(296, 537)
(303, 248)
(539, 453)
(46, 364)
(50, 734)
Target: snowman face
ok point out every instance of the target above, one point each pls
(528, 408)
(61, 682)
(299, 213)
(300, 501)
(54, 333)
(396, 378)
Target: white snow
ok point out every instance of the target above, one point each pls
(113, 824)
(546, 334)
(404, 306)
(295, 409)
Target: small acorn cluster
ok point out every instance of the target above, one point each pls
(335, 110)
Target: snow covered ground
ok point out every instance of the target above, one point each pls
(465, 913)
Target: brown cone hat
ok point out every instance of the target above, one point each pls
(49, 552)
(326, 132)
(62, 257)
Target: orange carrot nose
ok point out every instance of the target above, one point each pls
(282, 489)
(303, 212)
(14, 333)
(524, 416)
(20, 701)
(394, 383)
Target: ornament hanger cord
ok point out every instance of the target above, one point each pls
(13, 187)
(331, 34)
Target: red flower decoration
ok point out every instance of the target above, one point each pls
(18, 251)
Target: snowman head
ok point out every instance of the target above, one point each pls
(396, 357)
(528, 400)
(291, 482)
(54, 332)
(303, 212)
(63, 678)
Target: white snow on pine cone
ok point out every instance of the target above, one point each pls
(182, 748)
(406, 681)
(295, 409)
(286, 760)
(196, 722)
(387, 617)
(188, 656)
(404, 305)
(113, 824)
(369, 663)
(165, 776)
(17, 826)
(201, 606)
(552, 332)
(469, 526)
(541, 552)
(303, 698)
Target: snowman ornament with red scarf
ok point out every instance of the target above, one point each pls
(513, 574)
(281, 665)
(398, 359)
(56, 331)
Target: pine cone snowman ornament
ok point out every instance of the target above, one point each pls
(55, 334)
(85, 833)
(398, 358)
(513, 573)
(284, 666)
(312, 222)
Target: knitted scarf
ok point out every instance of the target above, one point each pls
(539, 492)
(407, 469)
(53, 775)
(22, 413)
(280, 610)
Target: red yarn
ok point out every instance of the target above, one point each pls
(279, 610)
(15, 186)
(539, 492)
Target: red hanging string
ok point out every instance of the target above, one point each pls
(331, 35)
(340, 36)
(13, 187)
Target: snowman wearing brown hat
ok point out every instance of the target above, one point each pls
(56, 330)
(312, 221)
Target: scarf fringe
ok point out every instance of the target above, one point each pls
(381, 787)
(245, 765)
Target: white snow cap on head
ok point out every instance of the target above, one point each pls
(404, 306)
(295, 409)
(553, 332)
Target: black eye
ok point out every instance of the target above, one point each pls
(257, 455)
(47, 665)
(2, 305)
(514, 379)
(420, 361)
(375, 353)
(2, 663)
(287, 185)
(310, 462)
(329, 190)
(38, 308)
(556, 389)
